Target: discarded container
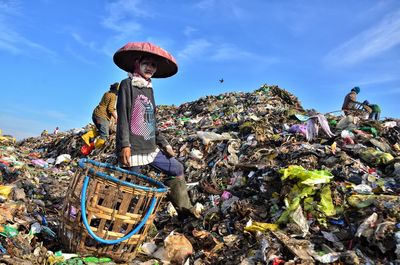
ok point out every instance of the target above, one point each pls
(113, 210)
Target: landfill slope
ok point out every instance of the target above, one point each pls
(279, 184)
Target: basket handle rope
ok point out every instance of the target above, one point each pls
(108, 177)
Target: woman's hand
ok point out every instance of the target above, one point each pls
(125, 156)
(170, 152)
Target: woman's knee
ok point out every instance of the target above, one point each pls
(178, 170)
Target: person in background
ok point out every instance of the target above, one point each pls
(350, 101)
(56, 130)
(138, 140)
(102, 116)
(44, 133)
(375, 110)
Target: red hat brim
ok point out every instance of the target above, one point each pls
(126, 56)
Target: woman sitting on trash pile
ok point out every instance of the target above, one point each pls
(138, 140)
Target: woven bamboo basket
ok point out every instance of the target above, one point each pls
(107, 210)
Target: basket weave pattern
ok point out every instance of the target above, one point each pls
(112, 211)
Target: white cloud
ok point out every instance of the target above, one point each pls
(369, 43)
(229, 52)
(205, 4)
(377, 80)
(10, 6)
(205, 50)
(80, 57)
(223, 8)
(78, 38)
(10, 39)
(194, 49)
(13, 42)
(123, 14)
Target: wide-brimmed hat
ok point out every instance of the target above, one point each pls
(125, 58)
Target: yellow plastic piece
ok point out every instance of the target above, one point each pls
(89, 135)
(99, 143)
(262, 227)
(5, 191)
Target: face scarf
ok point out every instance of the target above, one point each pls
(137, 78)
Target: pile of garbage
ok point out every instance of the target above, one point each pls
(275, 184)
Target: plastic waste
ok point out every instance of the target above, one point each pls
(5, 191)
(148, 248)
(326, 204)
(313, 127)
(361, 201)
(226, 195)
(368, 223)
(98, 143)
(177, 248)
(363, 189)
(63, 158)
(298, 217)
(298, 128)
(87, 137)
(252, 226)
(8, 231)
(307, 177)
(96, 260)
(208, 137)
(302, 117)
(348, 122)
(327, 258)
(372, 130)
(39, 163)
(376, 157)
(36, 228)
(171, 210)
(2, 249)
(196, 154)
(87, 149)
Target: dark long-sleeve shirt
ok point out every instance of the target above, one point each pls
(136, 125)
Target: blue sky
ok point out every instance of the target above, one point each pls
(56, 56)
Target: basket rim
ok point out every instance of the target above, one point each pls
(160, 186)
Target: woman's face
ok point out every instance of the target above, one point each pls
(148, 66)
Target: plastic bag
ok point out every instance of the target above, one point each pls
(261, 227)
(63, 158)
(307, 177)
(326, 204)
(87, 149)
(376, 157)
(208, 137)
(5, 191)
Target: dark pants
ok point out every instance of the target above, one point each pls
(175, 181)
(102, 125)
(374, 116)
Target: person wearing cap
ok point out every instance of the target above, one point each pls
(102, 116)
(138, 140)
(375, 110)
(350, 101)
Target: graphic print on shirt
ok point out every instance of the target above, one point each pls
(142, 118)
